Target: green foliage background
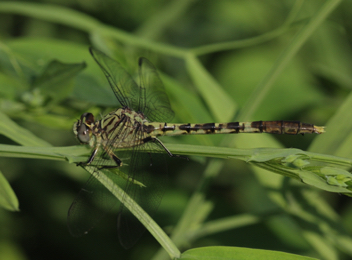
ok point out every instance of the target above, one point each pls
(220, 61)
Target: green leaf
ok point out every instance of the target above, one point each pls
(136, 210)
(341, 123)
(90, 85)
(54, 81)
(8, 199)
(18, 134)
(227, 253)
(53, 13)
(70, 153)
(219, 102)
(267, 154)
(189, 106)
(318, 182)
(337, 177)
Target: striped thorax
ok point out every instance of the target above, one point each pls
(120, 129)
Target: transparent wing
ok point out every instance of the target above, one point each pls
(94, 200)
(125, 88)
(147, 166)
(155, 103)
(142, 176)
(92, 203)
(149, 98)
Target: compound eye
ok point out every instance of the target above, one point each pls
(83, 134)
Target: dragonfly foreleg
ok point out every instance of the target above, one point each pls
(91, 158)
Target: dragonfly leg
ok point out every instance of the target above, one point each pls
(154, 139)
(114, 158)
(91, 158)
(117, 160)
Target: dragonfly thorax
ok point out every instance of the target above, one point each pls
(119, 129)
(133, 115)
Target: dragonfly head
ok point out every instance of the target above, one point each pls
(83, 128)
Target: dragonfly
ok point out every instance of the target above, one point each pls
(126, 143)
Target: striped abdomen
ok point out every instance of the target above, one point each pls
(271, 127)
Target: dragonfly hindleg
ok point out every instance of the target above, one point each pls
(154, 139)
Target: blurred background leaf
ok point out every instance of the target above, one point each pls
(203, 49)
(8, 198)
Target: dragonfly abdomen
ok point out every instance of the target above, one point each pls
(271, 127)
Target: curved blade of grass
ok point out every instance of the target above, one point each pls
(61, 15)
(139, 213)
(70, 153)
(219, 102)
(8, 199)
(18, 134)
(248, 155)
(222, 253)
(325, 169)
(255, 100)
(340, 123)
(52, 13)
